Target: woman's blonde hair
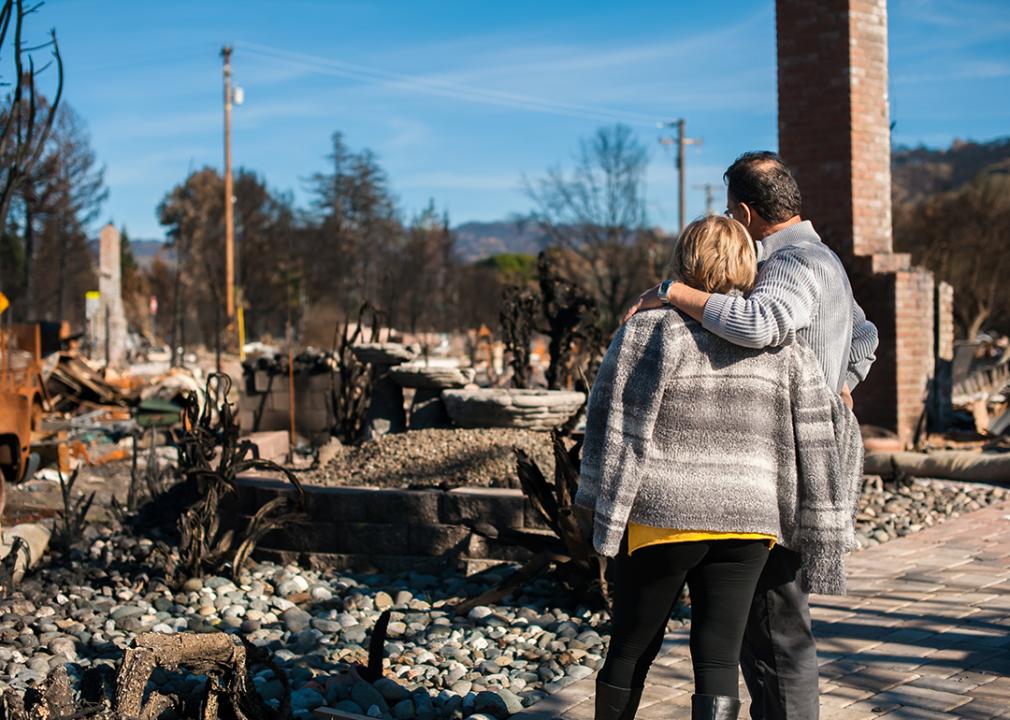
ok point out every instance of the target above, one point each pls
(715, 254)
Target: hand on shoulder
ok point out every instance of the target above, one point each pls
(649, 300)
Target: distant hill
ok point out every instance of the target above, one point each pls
(479, 240)
(474, 241)
(144, 252)
(917, 173)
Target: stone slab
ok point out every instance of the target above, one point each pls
(431, 377)
(384, 353)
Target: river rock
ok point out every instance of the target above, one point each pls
(306, 699)
(296, 619)
(366, 696)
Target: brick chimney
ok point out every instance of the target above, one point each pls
(834, 132)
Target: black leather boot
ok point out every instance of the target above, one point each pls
(616, 703)
(714, 707)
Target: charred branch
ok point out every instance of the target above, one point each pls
(23, 130)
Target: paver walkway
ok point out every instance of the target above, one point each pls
(924, 633)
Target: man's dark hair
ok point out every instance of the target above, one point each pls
(762, 181)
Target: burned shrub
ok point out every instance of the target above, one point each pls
(568, 553)
(188, 515)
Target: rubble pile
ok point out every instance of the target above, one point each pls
(435, 457)
(75, 385)
(981, 387)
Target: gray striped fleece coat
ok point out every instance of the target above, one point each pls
(688, 431)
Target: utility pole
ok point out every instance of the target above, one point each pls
(229, 218)
(709, 189)
(680, 141)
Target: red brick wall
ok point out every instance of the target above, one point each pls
(944, 321)
(814, 125)
(877, 397)
(914, 340)
(871, 131)
(834, 131)
(833, 117)
(903, 307)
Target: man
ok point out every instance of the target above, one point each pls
(802, 290)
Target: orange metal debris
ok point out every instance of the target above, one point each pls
(22, 399)
(111, 456)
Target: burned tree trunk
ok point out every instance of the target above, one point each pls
(229, 692)
(26, 122)
(573, 325)
(217, 655)
(518, 322)
(211, 458)
(352, 398)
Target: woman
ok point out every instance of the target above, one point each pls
(699, 455)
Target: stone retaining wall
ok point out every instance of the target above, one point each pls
(390, 530)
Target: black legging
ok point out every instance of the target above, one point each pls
(721, 575)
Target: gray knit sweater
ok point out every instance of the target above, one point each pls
(688, 431)
(802, 291)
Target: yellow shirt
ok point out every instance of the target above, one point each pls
(640, 536)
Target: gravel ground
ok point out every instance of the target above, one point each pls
(434, 457)
(84, 610)
(488, 664)
(895, 509)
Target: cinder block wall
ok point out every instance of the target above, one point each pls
(387, 529)
(834, 131)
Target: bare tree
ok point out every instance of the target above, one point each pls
(423, 274)
(193, 214)
(962, 237)
(58, 200)
(354, 229)
(23, 131)
(597, 212)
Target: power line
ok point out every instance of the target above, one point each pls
(709, 189)
(441, 88)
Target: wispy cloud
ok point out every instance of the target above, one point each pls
(511, 59)
(960, 70)
(953, 14)
(930, 27)
(699, 71)
(145, 167)
(442, 180)
(642, 79)
(407, 133)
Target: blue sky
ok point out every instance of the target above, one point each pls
(461, 99)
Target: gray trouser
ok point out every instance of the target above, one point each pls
(779, 657)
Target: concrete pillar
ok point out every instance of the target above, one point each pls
(110, 322)
(834, 132)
